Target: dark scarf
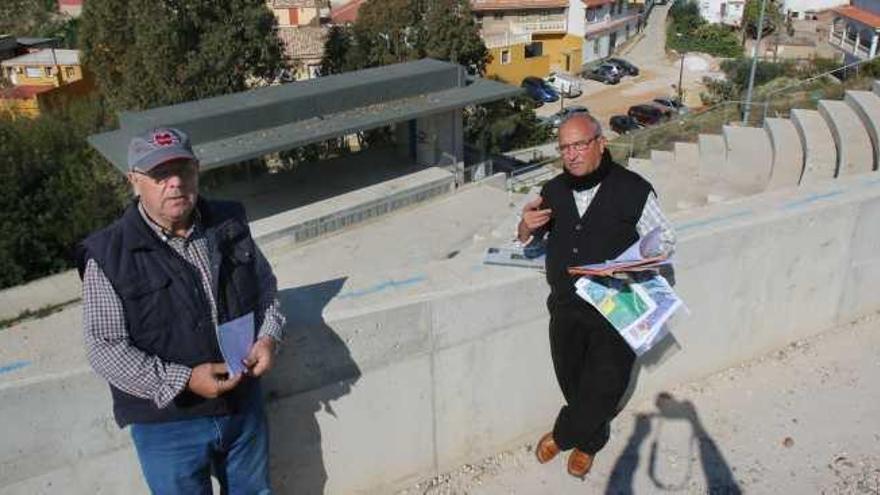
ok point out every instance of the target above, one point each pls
(590, 180)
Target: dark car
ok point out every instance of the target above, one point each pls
(604, 73)
(539, 90)
(671, 103)
(556, 119)
(647, 114)
(623, 124)
(625, 67)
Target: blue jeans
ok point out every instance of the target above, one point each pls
(179, 457)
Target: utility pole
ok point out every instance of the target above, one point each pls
(680, 74)
(754, 63)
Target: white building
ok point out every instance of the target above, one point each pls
(806, 9)
(603, 24)
(727, 12)
(855, 29)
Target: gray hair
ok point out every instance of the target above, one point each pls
(584, 116)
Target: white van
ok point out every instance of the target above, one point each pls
(566, 84)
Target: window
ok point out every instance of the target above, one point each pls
(68, 71)
(498, 16)
(48, 72)
(505, 57)
(596, 46)
(591, 15)
(33, 72)
(534, 49)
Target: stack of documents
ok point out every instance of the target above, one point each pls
(641, 256)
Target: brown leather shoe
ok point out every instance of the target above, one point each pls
(579, 463)
(546, 449)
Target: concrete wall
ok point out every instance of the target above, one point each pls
(371, 399)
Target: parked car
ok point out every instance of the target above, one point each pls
(538, 90)
(623, 124)
(671, 103)
(604, 73)
(648, 114)
(556, 119)
(626, 68)
(565, 84)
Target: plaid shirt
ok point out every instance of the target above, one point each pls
(131, 370)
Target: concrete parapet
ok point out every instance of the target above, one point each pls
(855, 153)
(42, 293)
(820, 159)
(367, 398)
(788, 153)
(867, 106)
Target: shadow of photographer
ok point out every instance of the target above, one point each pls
(313, 368)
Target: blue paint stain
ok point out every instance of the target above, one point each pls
(390, 284)
(809, 199)
(17, 365)
(713, 220)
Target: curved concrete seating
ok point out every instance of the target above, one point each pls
(820, 157)
(662, 158)
(687, 157)
(855, 153)
(867, 106)
(749, 157)
(713, 154)
(875, 87)
(788, 153)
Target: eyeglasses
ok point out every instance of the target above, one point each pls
(577, 146)
(187, 171)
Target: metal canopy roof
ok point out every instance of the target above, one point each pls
(236, 127)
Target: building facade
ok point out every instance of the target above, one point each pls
(855, 29)
(302, 29)
(727, 12)
(41, 79)
(604, 25)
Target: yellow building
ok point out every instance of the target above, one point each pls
(42, 79)
(527, 38)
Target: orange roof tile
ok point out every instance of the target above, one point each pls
(347, 13)
(482, 5)
(860, 15)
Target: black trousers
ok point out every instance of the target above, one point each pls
(593, 365)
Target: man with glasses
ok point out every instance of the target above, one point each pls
(591, 212)
(157, 284)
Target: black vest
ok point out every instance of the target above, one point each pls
(607, 228)
(166, 309)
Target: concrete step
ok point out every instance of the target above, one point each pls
(855, 153)
(875, 87)
(634, 163)
(820, 158)
(867, 106)
(749, 157)
(687, 157)
(788, 153)
(663, 158)
(713, 154)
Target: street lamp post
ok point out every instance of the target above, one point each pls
(754, 63)
(680, 72)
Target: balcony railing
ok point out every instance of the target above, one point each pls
(505, 38)
(545, 26)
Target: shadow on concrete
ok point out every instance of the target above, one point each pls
(717, 475)
(314, 368)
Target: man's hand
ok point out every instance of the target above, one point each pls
(210, 380)
(261, 357)
(533, 218)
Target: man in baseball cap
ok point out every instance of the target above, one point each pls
(159, 284)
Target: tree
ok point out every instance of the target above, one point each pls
(336, 50)
(453, 35)
(147, 53)
(54, 189)
(773, 18)
(30, 17)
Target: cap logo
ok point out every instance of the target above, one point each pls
(164, 139)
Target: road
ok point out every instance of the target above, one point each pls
(804, 419)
